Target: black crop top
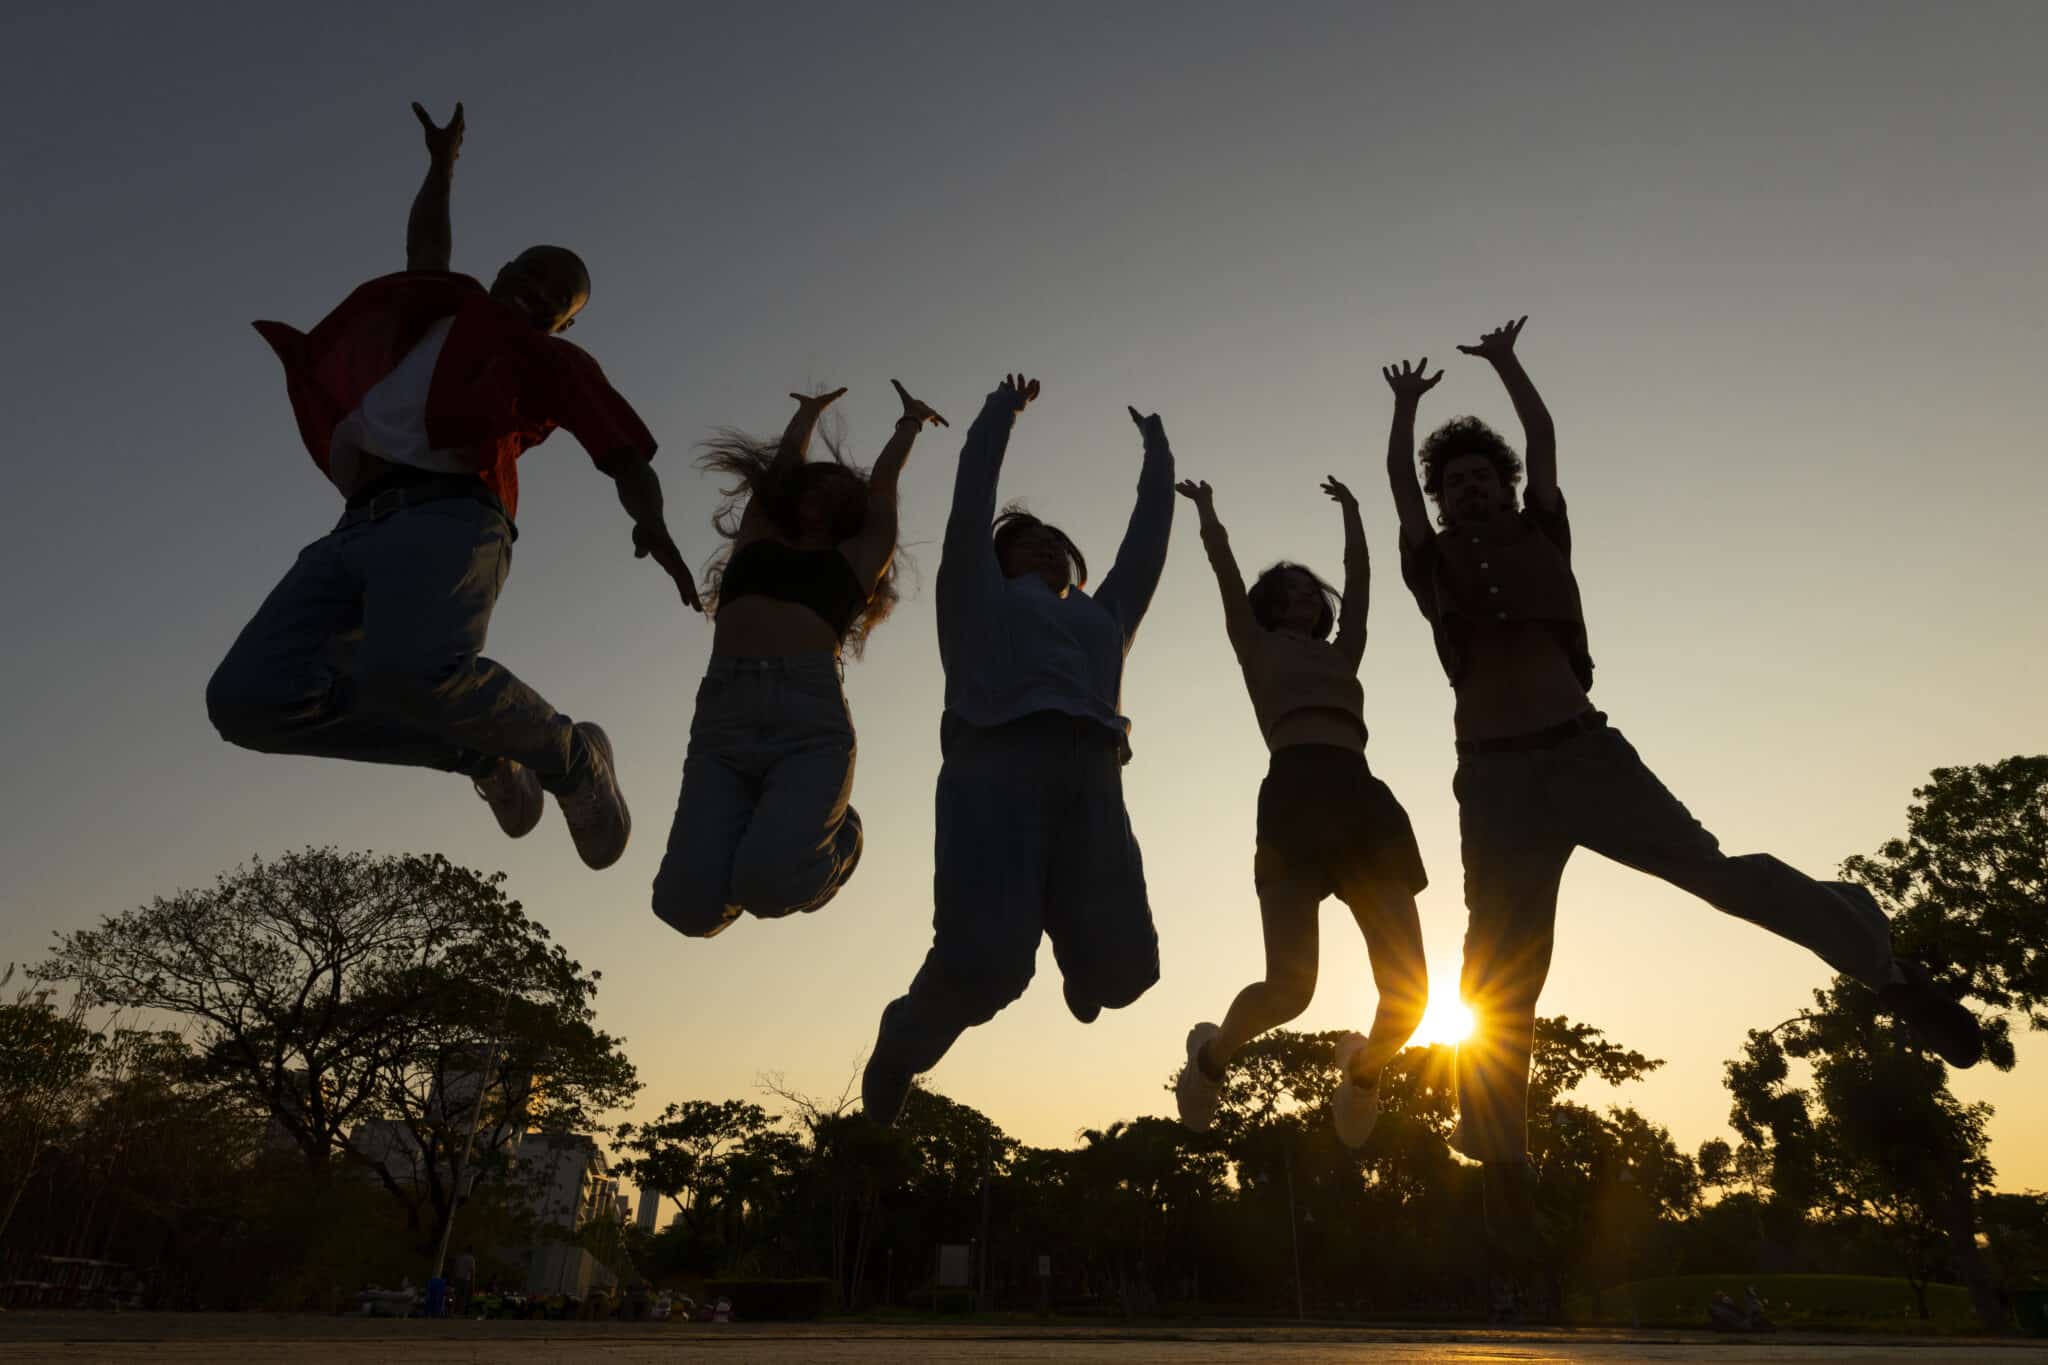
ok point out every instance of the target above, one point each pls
(819, 579)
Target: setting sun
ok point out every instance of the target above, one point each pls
(1446, 1021)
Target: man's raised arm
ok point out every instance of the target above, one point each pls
(1539, 437)
(1409, 383)
(429, 238)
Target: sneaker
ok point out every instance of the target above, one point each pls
(1079, 1005)
(513, 791)
(594, 808)
(1354, 1105)
(1937, 1021)
(1197, 1094)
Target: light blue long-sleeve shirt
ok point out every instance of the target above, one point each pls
(1011, 646)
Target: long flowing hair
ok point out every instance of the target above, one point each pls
(749, 462)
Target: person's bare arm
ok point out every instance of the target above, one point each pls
(429, 237)
(1237, 611)
(1539, 436)
(1350, 636)
(871, 551)
(1409, 383)
(790, 452)
(639, 489)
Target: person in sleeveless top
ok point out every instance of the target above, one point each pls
(1541, 772)
(1326, 825)
(416, 398)
(1032, 837)
(764, 824)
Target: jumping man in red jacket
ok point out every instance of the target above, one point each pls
(416, 398)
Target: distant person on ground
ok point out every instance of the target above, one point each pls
(416, 398)
(465, 1279)
(1540, 771)
(764, 823)
(1326, 825)
(1032, 835)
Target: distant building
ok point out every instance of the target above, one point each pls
(650, 1208)
(573, 1186)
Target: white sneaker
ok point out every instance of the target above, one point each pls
(1198, 1095)
(1355, 1107)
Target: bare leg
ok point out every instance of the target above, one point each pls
(1288, 911)
(1387, 917)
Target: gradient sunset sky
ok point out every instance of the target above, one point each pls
(1784, 275)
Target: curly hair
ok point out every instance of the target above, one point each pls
(1466, 436)
(750, 462)
(1014, 521)
(1264, 597)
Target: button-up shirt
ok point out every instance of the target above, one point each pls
(1464, 579)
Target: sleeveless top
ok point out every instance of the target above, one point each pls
(819, 579)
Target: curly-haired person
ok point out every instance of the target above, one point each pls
(1540, 771)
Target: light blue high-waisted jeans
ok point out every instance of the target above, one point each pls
(763, 825)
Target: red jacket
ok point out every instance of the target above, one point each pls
(500, 386)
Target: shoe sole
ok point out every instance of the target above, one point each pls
(594, 734)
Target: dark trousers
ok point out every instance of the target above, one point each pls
(1520, 815)
(1032, 840)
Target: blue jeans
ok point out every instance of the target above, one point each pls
(762, 825)
(1032, 840)
(370, 648)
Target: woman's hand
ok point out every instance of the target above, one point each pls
(812, 404)
(1199, 493)
(915, 410)
(1339, 494)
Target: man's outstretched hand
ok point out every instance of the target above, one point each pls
(654, 543)
(1410, 382)
(443, 144)
(1499, 344)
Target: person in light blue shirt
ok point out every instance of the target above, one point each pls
(1032, 835)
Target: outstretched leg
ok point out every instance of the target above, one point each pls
(1616, 806)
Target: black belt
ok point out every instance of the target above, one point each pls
(1554, 735)
(380, 502)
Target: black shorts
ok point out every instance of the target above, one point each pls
(1326, 820)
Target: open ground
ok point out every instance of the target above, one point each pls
(236, 1339)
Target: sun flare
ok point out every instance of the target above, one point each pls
(1446, 1021)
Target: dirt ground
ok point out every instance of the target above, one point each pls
(246, 1339)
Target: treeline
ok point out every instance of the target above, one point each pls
(320, 995)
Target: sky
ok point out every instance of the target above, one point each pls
(1785, 286)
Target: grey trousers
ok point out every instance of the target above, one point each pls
(1520, 815)
(763, 825)
(1032, 840)
(370, 648)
